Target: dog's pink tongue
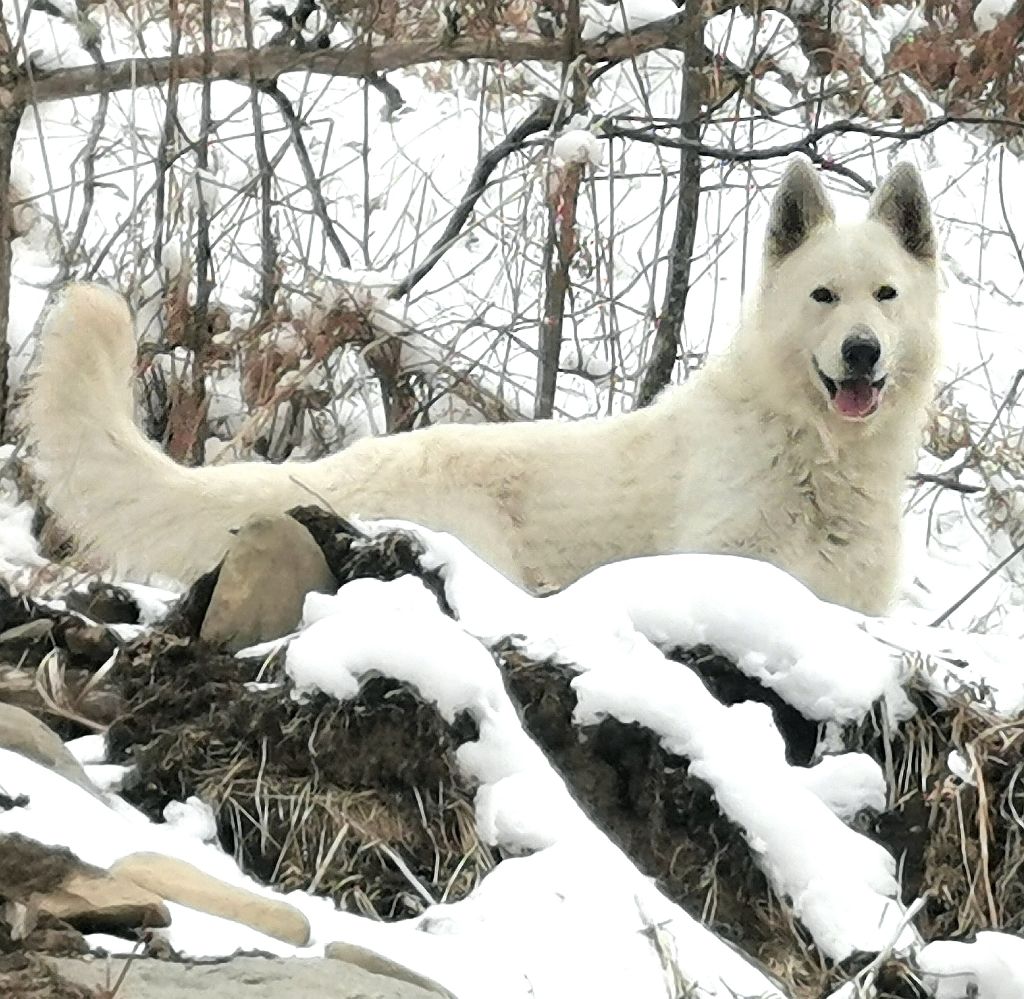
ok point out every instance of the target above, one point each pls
(856, 398)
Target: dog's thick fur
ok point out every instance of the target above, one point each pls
(750, 457)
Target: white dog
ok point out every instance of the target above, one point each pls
(792, 447)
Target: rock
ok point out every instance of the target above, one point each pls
(23, 733)
(248, 977)
(97, 902)
(178, 881)
(36, 879)
(28, 976)
(25, 634)
(270, 567)
(377, 964)
(87, 644)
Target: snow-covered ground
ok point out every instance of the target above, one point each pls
(573, 891)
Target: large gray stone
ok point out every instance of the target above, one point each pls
(242, 978)
(270, 567)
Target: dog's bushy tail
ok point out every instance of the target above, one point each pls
(123, 498)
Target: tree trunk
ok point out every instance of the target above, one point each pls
(11, 109)
(667, 339)
(561, 242)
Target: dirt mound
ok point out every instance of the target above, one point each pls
(961, 844)
(351, 554)
(358, 800)
(665, 820)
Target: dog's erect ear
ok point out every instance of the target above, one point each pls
(800, 206)
(902, 204)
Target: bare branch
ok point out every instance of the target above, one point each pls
(268, 243)
(88, 158)
(204, 263)
(359, 60)
(560, 247)
(539, 121)
(166, 141)
(806, 143)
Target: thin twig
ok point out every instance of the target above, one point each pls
(308, 173)
(946, 482)
(538, 121)
(268, 241)
(978, 585)
(11, 109)
(88, 158)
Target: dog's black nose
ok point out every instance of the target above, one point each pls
(861, 351)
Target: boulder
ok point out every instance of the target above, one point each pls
(271, 565)
(178, 881)
(39, 880)
(97, 902)
(23, 733)
(377, 964)
(248, 977)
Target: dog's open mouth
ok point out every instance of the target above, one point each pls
(853, 398)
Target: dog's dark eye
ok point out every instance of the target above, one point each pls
(824, 295)
(886, 293)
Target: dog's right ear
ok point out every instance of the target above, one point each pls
(800, 206)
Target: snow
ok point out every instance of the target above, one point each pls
(508, 939)
(983, 669)
(599, 19)
(89, 748)
(746, 41)
(988, 13)
(398, 629)
(612, 627)
(19, 550)
(815, 655)
(959, 767)
(153, 602)
(993, 964)
(577, 145)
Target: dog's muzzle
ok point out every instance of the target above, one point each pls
(856, 395)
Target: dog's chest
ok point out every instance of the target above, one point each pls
(781, 498)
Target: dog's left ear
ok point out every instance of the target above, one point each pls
(902, 204)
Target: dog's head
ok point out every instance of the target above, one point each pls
(852, 307)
